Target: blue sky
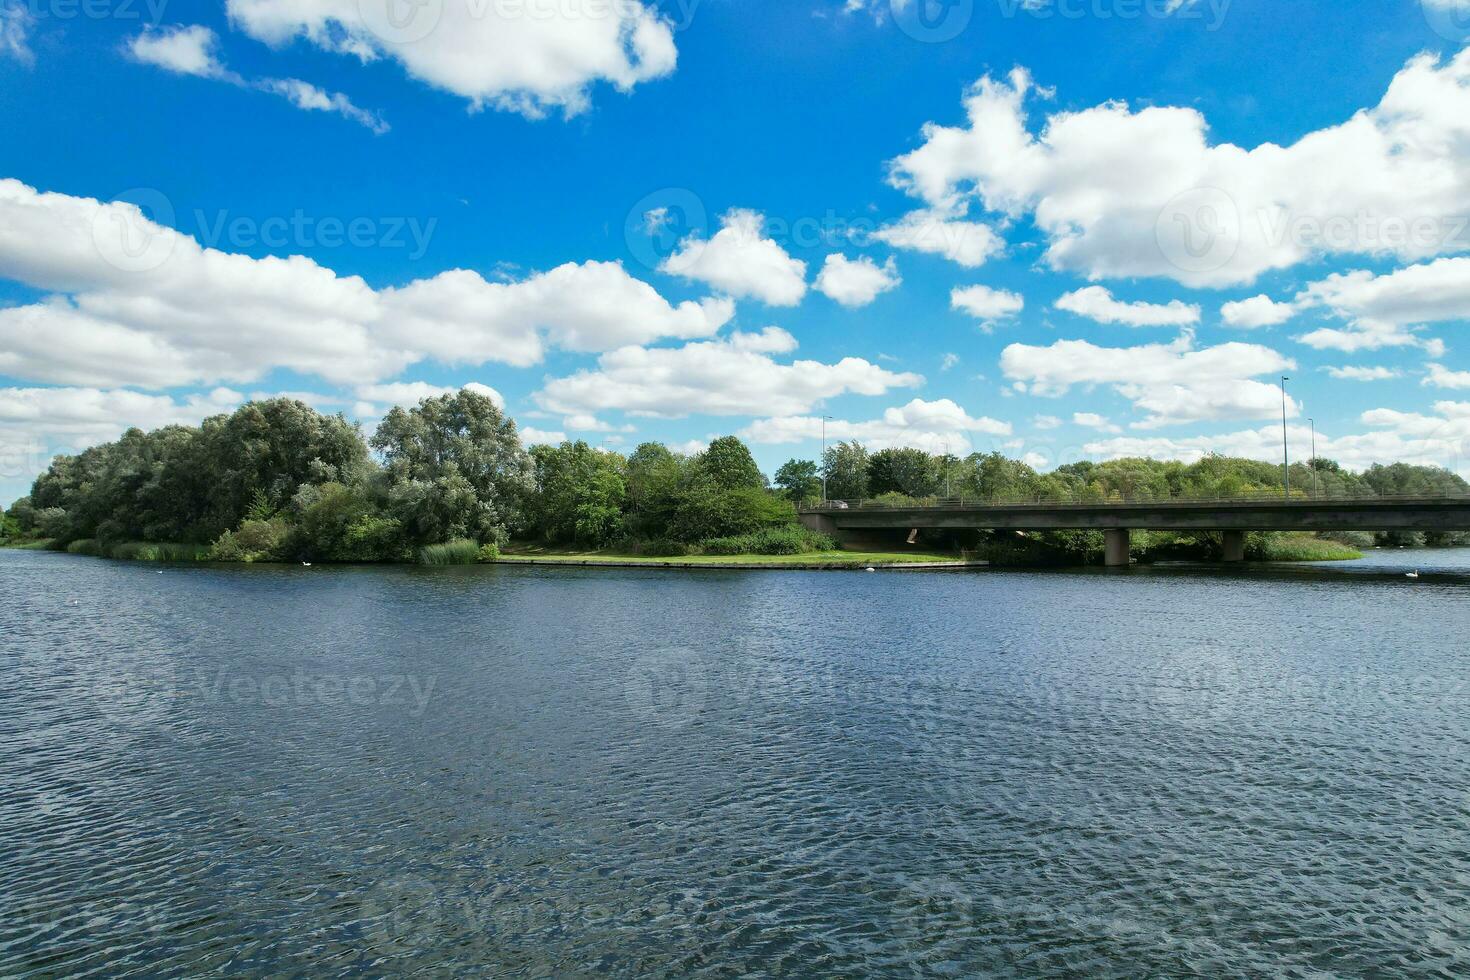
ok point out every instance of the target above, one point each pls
(619, 217)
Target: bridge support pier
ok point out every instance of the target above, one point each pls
(1234, 546)
(1116, 551)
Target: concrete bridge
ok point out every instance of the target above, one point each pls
(1231, 517)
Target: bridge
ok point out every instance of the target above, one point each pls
(1231, 517)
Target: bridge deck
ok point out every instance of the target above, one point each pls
(1182, 514)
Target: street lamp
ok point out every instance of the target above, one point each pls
(1285, 455)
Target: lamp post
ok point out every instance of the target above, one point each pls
(1285, 455)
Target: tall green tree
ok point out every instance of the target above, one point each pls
(580, 493)
(799, 480)
(455, 468)
(728, 464)
(907, 471)
(846, 467)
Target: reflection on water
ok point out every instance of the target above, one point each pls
(547, 772)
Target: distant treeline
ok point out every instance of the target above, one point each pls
(277, 480)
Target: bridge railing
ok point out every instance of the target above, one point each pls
(1305, 499)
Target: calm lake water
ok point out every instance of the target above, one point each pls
(558, 772)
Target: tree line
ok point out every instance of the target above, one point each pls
(278, 480)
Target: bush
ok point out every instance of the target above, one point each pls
(156, 551)
(460, 552)
(85, 546)
(488, 553)
(704, 512)
(792, 540)
(255, 541)
(661, 548)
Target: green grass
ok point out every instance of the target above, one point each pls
(836, 559)
(39, 544)
(158, 551)
(461, 552)
(1302, 547)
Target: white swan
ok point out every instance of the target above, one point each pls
(1413, 574)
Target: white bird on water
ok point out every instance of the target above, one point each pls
(306, 564)
(1413, 574)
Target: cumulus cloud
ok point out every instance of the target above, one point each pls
(38, 423)
(136, 303)
(1172, 383)
(1091, 420)
(407, 394)
(1382, 310)
(740, 261)
(735, 375)
(987, 305)
(1256, 312)
(1125, 193)
(1362, 373)
(1097, 303)
(1442, 439)
(856, 282)
(541, 437)
(530, 57)
(1441, 377)
(192, 50)
(944, 232)
(935, 427)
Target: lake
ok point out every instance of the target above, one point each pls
(552, 772)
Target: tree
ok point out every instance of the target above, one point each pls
(799, 480)
(846, 467)
(651, 480)
(729, 466)
(455, 468)
(579, 495)
(907, 471)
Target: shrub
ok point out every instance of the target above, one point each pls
(792, 540)
(488, 553)
(85, 546)
(255, 541)
(460, 552)
(159, 551)
(662, 548)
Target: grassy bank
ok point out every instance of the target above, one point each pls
(1300, 547)
(835, 559)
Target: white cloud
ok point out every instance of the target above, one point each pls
(948, 361)
(987, 305)
(1143, 193)
(934, 426)
(1362, 373)
(1407, 437)
(740, 261)
(407, 394)
(1046, 422)
(192, 51)
(38, 423)
(1441, 377)
(182, 50)
(941, 231)
(531, 56)
(304, 95)
(1172, 382)
(1256, 312)
(856, 282)
(1097, 303)
(15, 25)
(1431, 292)
(731, 376)
(541, 437)
(1091, 420)
(137, 303)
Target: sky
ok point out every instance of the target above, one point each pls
(1056, 229)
